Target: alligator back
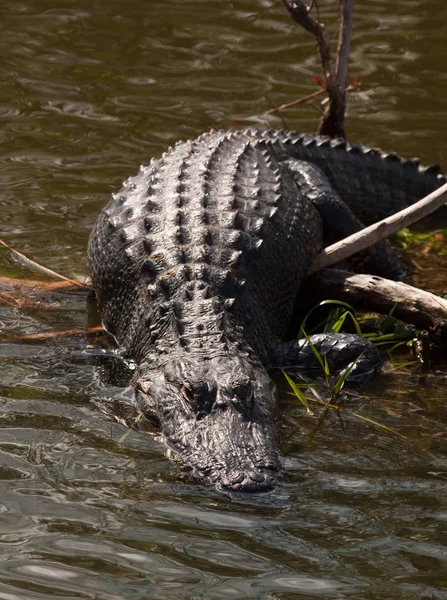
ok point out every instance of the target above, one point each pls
(207, 241)
(197, 263)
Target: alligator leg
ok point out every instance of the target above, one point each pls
(339, 349)
(339, 222)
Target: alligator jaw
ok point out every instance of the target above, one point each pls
(218, 417)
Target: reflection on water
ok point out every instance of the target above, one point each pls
(89, 92)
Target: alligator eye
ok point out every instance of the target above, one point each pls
(243, 390)
(243, 394)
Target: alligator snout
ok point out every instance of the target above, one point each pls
(218, 417)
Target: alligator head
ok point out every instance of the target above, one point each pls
(218, 415)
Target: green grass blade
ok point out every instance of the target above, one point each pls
(338, 303)
(326, 369)
(342, 379)
(339, 322)
(394, 432)
(331, 319)
(323, 363)
(401, 365)
(298, 393)
(391, 313)
(124, 437)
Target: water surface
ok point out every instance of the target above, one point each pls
(89, 91)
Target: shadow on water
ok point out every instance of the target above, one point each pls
(89, 92)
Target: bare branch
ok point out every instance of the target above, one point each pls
(300, 14)
(51, 335)
(332, 123)
(344, 42)
(308, 99)
(37, 267)
(379, 231)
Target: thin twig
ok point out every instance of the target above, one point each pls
(34, 265)
(332, 122)
(300, 14)
(38, 286)
(11, 299)
(351, 88)
(50, 335)
(295, 102)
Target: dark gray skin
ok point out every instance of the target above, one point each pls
(197, 263)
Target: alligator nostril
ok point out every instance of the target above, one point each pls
(247, 482)
(256, 477)
(238, 477)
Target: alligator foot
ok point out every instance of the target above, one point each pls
(341, 350)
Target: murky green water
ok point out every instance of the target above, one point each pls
(90, 90)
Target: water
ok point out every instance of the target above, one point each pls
(88, 92)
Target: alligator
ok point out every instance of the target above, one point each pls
(197, 264)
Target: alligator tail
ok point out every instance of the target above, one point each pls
(373, 183)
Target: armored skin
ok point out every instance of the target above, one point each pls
(197, 263)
